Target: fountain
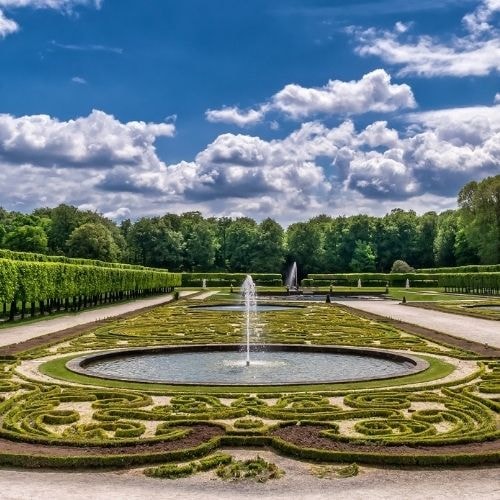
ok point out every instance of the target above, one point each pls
(359, 283)
(292, 280)
(249, 296)
(407, 283)
(221, 364)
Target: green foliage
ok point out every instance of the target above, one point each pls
(228, 279)
(363, 259)
(92, 241)
(400, 266)
(176, 471)
(256, 469)
(480, 212)
(27, 239)
(39, 281)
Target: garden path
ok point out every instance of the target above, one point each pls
(297, 483)
(26, 331)
(484, 331)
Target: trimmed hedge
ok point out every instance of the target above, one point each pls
(491, 268)
(228, 279)
(40, 257)
(31, 282)
(473, 282)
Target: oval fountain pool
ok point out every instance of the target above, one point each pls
(225, 365)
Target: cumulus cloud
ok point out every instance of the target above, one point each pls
(98, 140)
(234, 115)
(7, 26)
(374, 92)
(476, 53)
(314, 169)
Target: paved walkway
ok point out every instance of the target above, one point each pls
(479, 330)
(375, 484)
(22, 332)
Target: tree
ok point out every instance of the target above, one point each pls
(400, 266)
(424, 246)
(363, 259)
(480, 216)
(27, 239)
(199, 245)
(444, 243)
(305, 246)
(270, 249)
(241, 244)
(93, 241)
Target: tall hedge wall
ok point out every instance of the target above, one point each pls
(39, 281)
(39, 257)
(226, 279)
(492, 268)
(474, 282)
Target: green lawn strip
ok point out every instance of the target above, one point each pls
(57, 369)
(465, 309)
(420, 294)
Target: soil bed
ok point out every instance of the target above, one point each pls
(308, 436)
(199, 434)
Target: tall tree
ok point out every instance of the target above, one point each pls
(270, 249)
(93, 241)
(480, 213)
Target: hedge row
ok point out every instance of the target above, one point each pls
(31, 282)
(228, 279)
(39, 257)
(492, 268)
(370, 279)
(474, 282)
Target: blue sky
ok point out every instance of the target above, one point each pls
(261, 108)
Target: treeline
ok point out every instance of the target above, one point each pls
(190, 242)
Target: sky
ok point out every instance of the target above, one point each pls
(261, 108)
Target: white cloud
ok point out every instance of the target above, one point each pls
(374, 92)
(67, 5)
(234, 115)
(476, 53)
(7, 26)
(496, 100)
(79, 80)
(98, 140)
(315, 169)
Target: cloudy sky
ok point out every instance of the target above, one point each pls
(281, 108)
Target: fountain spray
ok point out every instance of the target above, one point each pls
(249, 296)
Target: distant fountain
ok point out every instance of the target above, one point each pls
(204, 283)
(407, 283)
(292, 279)
(359, 283)
(249, 296)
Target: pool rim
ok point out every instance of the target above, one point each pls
(78, 364)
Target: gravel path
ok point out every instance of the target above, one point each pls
(297, 483)
(20, 333)
(479, 330)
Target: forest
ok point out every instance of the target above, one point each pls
(191, 242)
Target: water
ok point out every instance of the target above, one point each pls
(249, 296)
(291, 279)
(229, 367)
